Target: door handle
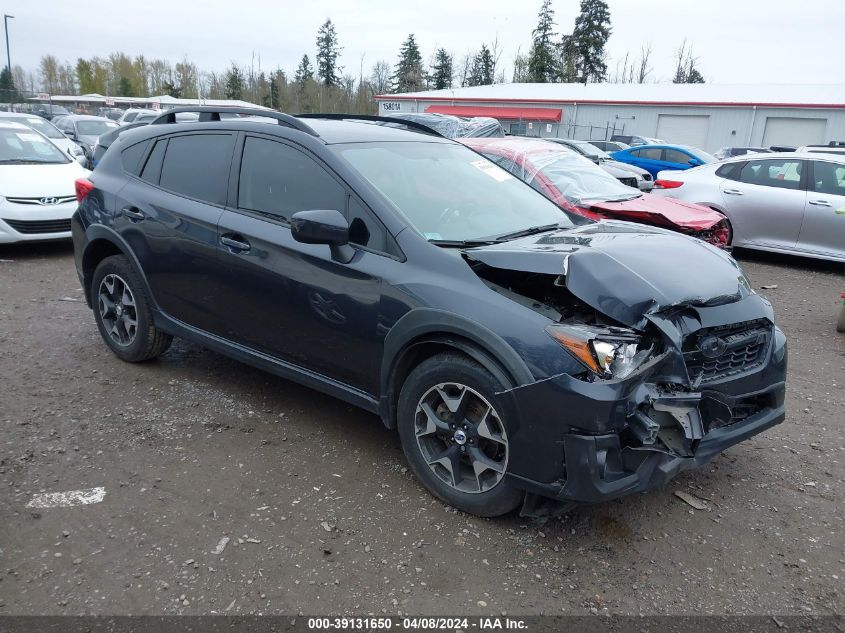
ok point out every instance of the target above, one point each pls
(820, 203)
(133, 213)
(732, 192)
(235, 242)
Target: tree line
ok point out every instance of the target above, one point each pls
(322, 84)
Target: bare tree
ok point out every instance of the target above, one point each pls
(686, 66)
(464, 69)
(380, 77)
(644, 65)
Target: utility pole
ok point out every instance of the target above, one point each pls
(6, 17)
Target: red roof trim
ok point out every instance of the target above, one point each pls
(726, 104)
(498, 112)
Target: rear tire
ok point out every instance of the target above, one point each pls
(453, 430)
(840, 324)
(122, 312)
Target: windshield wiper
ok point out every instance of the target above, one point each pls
(462, 243)
(25, 161)
(531, 230)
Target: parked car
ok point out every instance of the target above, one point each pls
(453, 126)
(785, 202)
(110, 113)
(50, 111)
(626, 174)
(729, 152)
(577, 185)
(610, 146)
(36, 181)
(129, 115)
(840, 322)
(655, 158)
(522, 352)
(49, 130)
(84, 130)
(104, 141)
(636, 140)
(834, 147)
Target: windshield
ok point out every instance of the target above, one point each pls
(592, 151)
(579, 179)
(42, 125)
(703, 156)
(25, 146)
(94, 128)
(449, 193)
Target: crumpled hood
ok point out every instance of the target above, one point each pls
(663, 211)
(626, 271)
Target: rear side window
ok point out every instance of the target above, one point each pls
(654, 153)
(278, 180)
(783, 174)
(152, 168)
(132, 155)
(730, 170)
(829, 178)
(197, 166)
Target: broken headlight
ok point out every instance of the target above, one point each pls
(609, 352)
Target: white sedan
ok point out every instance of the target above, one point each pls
(791, 202)
(37, 185)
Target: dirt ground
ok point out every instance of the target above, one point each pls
(324, 516)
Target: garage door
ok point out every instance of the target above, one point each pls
(793, 131)
(683, 129)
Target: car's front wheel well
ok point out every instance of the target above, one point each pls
(96, 252)
(424, 348)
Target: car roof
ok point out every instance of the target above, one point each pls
(329, 131)
(516, 144)
(775, 155)
(86, 117)
(20, 115)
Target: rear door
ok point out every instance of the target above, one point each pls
(765, 203)
(650, 159)
(291, 300)
(823, 229)
(676, 159)
(168, 213)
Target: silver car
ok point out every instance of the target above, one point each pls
(790, 202)
(630, 175)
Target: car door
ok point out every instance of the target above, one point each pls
(292, 300)
(676, 159)
(823, 228)
(168, 214)
(764, 202)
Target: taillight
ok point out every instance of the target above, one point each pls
(667, 184)
(83, 188)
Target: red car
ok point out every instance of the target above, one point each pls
(576, 184)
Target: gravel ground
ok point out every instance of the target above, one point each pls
(322, 514)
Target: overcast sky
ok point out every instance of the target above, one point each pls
(737, 41)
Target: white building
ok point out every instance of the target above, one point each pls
(159, 102)
(708, 116)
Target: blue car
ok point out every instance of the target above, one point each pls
(654, 158)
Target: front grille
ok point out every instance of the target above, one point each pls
(39, 226)
(720, 352)
(44, 201)
(631, 182)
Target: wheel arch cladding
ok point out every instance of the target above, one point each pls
(102, 243)
(423, 333)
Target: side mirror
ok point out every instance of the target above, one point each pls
(694, 162)
(323, 226)
(71, 135)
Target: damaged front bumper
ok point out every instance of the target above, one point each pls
(606, 439)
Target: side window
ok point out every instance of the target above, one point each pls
(730, 170)
(130, 117)
(152, 168)
(829, 178)
(653, 153)
(783, 173)
(278, 180)
(131, 157)
(197, 166)
(674, 156)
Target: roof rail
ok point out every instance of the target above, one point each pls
(413, 125)
(212, 113)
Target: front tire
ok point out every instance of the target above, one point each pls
(453, 430)
(122, 312)
(840, 324)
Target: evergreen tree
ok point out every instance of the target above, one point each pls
(8, 91)
(169, 88)
(304, 71)
(542, 61)
(441, 70)
(483, 68)
(409, 75)
(124, 88)
(328, 50)
(592, 30)
(234, 82)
